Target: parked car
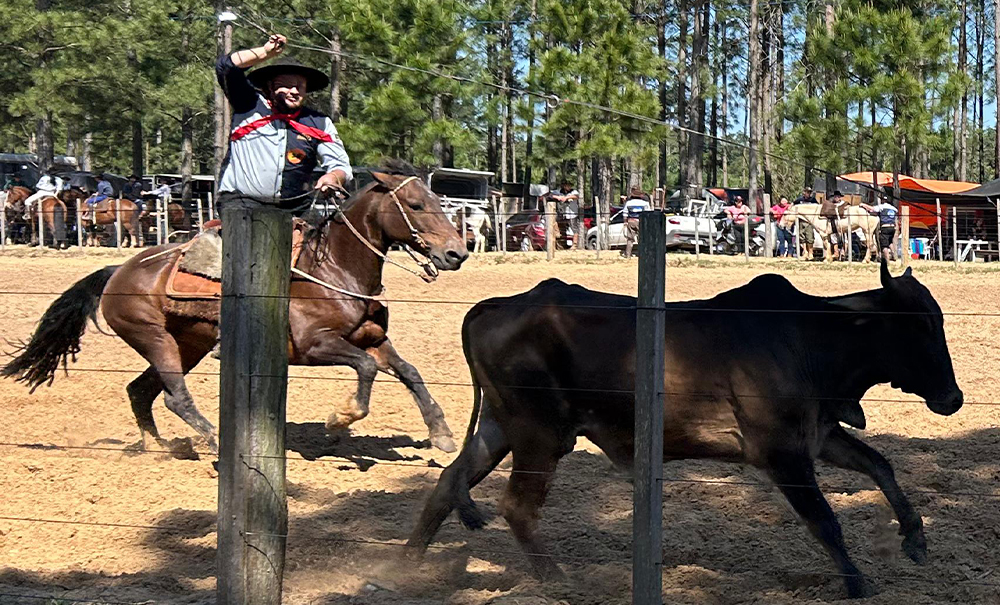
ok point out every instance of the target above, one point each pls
(526, 232)
(680, 232)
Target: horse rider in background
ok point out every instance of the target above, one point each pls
(830, 210)
(886, 214)
(47, 186)
(276, 141)
(104, 192)
(132, 191)
(14, 180)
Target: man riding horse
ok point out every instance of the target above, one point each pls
(276, 141)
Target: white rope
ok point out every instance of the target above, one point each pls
(316, 280)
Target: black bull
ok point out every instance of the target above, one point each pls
(762, 374)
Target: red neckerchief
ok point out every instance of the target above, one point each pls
(288, 118)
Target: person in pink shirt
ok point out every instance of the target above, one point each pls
(738, 212)
(784, 235)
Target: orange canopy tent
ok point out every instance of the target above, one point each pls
(921, 195)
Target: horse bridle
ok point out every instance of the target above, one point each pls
(430, 271)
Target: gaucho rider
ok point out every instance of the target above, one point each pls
(276, 142)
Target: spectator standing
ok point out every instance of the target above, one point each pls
(737, 215)
(807, 235)
(886, 213)
(568, 201)
(784, 235)
(637, 203)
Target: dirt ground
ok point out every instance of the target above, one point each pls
(724, 541)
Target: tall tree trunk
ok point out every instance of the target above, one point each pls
(696, 104)
(492, 157)
(765, 83)
(137, 146)
(221, 111)
(43, 141)
(187, 153)
(980, 85)
(682, 76)
(713, 125)
(661, 47)
(754, 88)
(437, 114)
(963, 54)
(86, 160)
(336, 73)
(959, 110)
(725, 103)
(530, 140)
(996, 79)
(504, 106)
(779, 67)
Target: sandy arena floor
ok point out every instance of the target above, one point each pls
(722, 543)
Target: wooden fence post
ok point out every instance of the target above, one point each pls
(79, 225)
(768, 234)
(211, 206)
(647, 498)
(3, 225)
(954, 234)
(118, 224)
(166, 219)
(697, 238)
(201, 220)
(253, 511)
(550, 229)
(41, 226)
(940, 241)
(597, 222)
(904, 235)
(746, 238)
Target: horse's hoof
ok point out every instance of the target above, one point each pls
(444, 443)
(915, 547)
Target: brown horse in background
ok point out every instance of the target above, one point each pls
(338, 322)
(23, 224)
(178, 223)
(106, 213)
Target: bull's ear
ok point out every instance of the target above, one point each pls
(908, 272)
(885, 275)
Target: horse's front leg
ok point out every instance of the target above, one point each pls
(391, 363)
(335, 351)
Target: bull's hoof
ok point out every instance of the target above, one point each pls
(915, 547)
(858, 587)
(546, 569)
(337, 422)
(444, 443)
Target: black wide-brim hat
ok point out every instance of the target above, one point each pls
(315, 79)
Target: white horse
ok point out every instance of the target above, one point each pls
(854, 218)
(476, 221)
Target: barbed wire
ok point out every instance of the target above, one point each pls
(474, 550)
(366, 463)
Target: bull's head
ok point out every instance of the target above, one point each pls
(918, 357)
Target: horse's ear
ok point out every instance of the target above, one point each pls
(381, 178)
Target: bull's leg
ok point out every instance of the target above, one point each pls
(478, 458)
(535, 459)
(335, 351)
(796, 478)
(846, 451)
(440, 434)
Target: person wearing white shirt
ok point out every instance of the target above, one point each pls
(637, 203)
(47, 186)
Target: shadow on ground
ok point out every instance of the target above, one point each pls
(723, 543)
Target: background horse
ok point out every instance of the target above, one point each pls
(339, 325)
(178, 222)
(53, 222)
(13, 208)
(854, 218)
(477, 227)
(106, 213)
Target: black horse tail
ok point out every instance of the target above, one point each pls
(59, 331)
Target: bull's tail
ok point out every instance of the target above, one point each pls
(58, 334)
(468, 513)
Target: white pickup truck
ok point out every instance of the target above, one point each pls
(681, 228)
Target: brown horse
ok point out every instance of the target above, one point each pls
(327, 327)
(178, 223)
(25, 223)
(106, 213)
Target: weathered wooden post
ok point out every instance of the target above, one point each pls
(597, 222)
(41, 226)
(550, 229)
(647, 498)
(746, 238)
(201, 219)
(904, 235)
(940, 246)
(796, 241)
(954, 234)
(79, 225)
(166, 219)
(118, 223)
(253, 512)
(211, 206)
(768, 234)
(697, 239)
(3, 226)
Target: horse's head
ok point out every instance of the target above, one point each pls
(410, 213)
(919, 359)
